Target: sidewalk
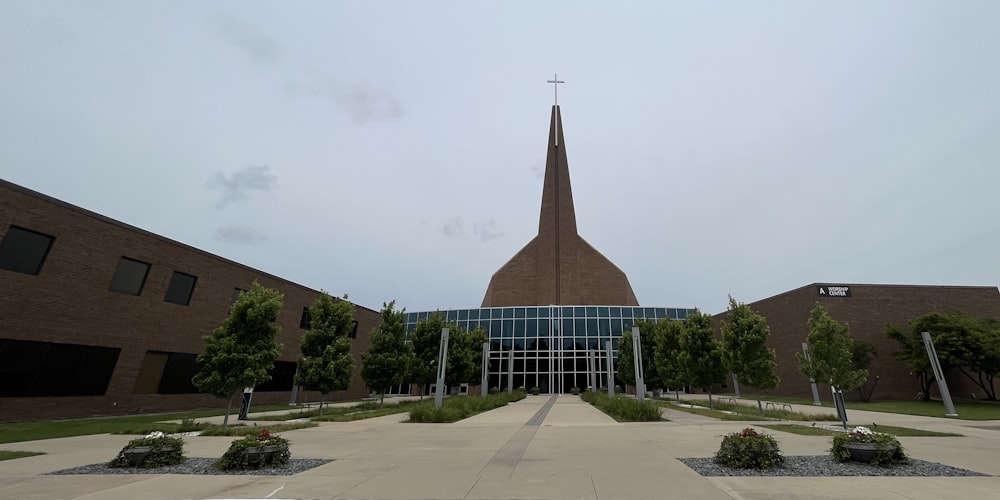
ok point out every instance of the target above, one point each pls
(544, 447)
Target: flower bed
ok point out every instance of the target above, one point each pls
(254, 452)
(864, 445)
(749, 449)
(155, 449)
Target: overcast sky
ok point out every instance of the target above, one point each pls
(395, 150)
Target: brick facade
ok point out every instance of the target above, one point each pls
(558, 266)
(70, 301)
(868, 311)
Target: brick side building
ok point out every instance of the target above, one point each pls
(101, 318)
(868, 310)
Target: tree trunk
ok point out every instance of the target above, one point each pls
(760, 407)
(229, 408)
(677, 395)
(381, 402)
(321, 404)
(711, 406)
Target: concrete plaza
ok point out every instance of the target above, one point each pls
(544, 447)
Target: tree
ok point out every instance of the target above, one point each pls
(971, 346)
(388, 361)
(700, 355)
(326, 363)
(667, 340)
(242, 351)
(465, 352)
(830, 348)
(647, 342)
(744, 349)
(862, 353)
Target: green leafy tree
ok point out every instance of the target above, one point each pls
(700, 354)
(744, 349)
(648, 331)
(862, 355)
(963, 343)
(666, 354)
(830, 349)
(241, 353)
(465, 352)
(387, 362)
(326, 364)
(625, 364)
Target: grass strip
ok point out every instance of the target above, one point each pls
(456, 408)
(11, 455)
(746, 412)
(804, 430)
(967, 410)
(624, 408)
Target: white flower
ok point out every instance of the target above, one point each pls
(863, 431)
(155, 435)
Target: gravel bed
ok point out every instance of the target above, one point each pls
(201, 466)
(824, 465)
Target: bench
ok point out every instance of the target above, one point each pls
(774, 405)
(729, 399)
(316, 404)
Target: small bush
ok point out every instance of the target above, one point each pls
(254, 452)
(749, 449)
(575, 391)
(535, 391)
(623, 408)
(494, 390)
(163, 450)
(454, 409)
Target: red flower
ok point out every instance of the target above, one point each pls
(748, 432)
(265, 434)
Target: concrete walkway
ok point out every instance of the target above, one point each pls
(544, 447)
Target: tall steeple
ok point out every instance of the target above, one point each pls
(558, 266)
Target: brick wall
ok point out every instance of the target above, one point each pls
(69, 301)
(868, 311)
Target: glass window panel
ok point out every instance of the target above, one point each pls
(567, 327)
(543, 312)
(591, 312)
(556, 327)
(661, 312)
(518, 346)
(422, 316)
(616, 312)
(508, 312)
(580, 325)
(532, 328)
(452, 316)
(603, 312)
(605, 327)
(531, 312)
(180, 289)
(130, 276)
(464, 325)
(543, 327)
(508, 328)
(626, 326)
(682, 314)
(616, 327)
(23, 250)
(567, 344)
(518, 312)
(496, 327)
(592, 327)
(463, 314)
(580, 312)
(567, 312)
(519, 328)
(505, 344)
(593, 343)
(474, 314)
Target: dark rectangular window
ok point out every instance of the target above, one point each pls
(236, 295)
(177, 374)
(34, 369)
(130, 276)
(180, 289)
(282, 378)
(23, 250)
(354, 330)
(306, 320)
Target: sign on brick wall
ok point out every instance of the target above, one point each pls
(834, 291)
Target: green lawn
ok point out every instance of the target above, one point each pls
(10, 455)
(743, 412)
(967, 410)
(888, 429)
(49, 429)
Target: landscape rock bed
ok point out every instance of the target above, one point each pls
(824, 465)
(201, 466)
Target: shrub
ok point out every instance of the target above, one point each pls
(886, 447)
(156, 449)
(749, 449)
(494, 390)
(574, 391)
(254, 452)
(623, 408)
(454, 409)
(535, 391)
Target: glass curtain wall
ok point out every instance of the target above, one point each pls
(550, 347)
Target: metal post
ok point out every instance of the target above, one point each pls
(812, 381)
(510, 371)
(611, 369)
(949, 407)
(483, 389)
(442, 361)
(591, 370)
(640, 385)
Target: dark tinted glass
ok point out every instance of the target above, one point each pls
(24, 251)
(282, 378)
(305, 320)
(130, 276)
(180, 289)
(177, 374)
(29, 368)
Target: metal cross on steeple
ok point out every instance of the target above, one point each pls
(555, 81)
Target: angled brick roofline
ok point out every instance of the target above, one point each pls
(558, 266)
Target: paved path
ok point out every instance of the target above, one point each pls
(544, 447)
